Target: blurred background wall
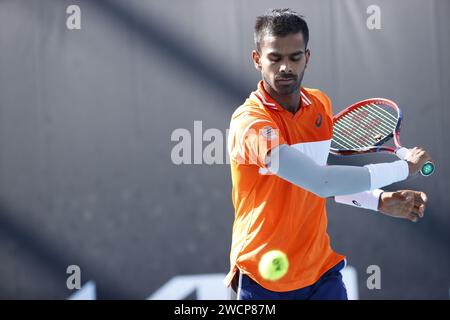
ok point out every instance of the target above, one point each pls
(86, 117)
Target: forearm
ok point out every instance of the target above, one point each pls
(325, 181)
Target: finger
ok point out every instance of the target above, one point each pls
(409, 212)
(422, 210)
(400, 196)
(424, 197)
(420, 198)
(419, 210)
(409, 198)
(428, 156)
(412, 217)
(424, 156)
(407, 195)
(419, 202)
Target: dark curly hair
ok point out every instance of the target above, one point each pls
(280, 23)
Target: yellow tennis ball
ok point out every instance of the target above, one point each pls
(273, 265)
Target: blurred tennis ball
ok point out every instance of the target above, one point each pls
(273, 265)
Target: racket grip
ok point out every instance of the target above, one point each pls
(427, 168)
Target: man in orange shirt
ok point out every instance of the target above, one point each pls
(279, 142)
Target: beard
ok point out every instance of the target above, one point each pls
(288, 88)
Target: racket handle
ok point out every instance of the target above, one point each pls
(427, 168)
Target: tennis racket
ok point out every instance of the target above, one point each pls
(366, 126)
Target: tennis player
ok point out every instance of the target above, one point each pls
(279, 142)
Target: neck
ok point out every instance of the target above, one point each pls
(289, 102)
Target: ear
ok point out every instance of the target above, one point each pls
(256, 59)
(307, 55)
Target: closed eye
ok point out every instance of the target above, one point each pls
(274, 58)
(297, 57)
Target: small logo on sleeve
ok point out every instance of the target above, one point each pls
(269, 133)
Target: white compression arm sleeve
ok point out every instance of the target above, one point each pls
(326, 181)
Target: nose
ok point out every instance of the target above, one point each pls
(285, 68)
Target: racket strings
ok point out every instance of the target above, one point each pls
(379, 119)
(371, 121)
(367, 120)
(349, 133)
(353, 135)
(363, 127)
(385, 112)
(342, 144)
(387, 117)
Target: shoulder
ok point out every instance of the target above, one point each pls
(250, 109)
(322, 98)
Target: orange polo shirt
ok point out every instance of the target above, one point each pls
(272, 213)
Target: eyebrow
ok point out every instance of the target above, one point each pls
(274, 53)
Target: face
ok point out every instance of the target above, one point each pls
(282, 62)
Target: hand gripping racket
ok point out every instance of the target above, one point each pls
(366, 125)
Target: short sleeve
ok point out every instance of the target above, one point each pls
(252, 135)
(325, 100)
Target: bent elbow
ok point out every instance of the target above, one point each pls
(324, 194)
